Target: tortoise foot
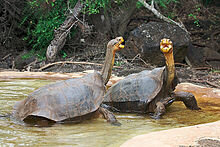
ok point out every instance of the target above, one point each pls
(188, 99)
(156, 117)
(191, 103)
(109, 116)
(159, 111)
(116, 123)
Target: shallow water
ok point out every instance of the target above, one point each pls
(90, 133)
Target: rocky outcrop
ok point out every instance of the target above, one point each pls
(145, 40)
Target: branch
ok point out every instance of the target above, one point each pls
(71, 62)
(160, 16)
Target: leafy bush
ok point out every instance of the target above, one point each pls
(164, 3)
(93, 6)
(42, 17)
(196, 20)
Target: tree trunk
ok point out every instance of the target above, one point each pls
(117, 20)
(61, 33)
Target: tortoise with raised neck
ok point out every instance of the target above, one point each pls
(150, 91)
(71, 100)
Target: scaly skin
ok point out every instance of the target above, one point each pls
(112, 47)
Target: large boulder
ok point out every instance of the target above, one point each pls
(203, 57)
(145, 40)
(23, 59)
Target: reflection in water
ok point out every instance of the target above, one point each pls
(92, 132)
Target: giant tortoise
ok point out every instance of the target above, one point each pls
(71, 100)
(150, 90)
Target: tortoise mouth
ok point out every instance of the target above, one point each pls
(166, 45)
(121, 43)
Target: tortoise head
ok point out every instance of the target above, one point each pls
(166, 46)
(113, 46)
(116, 44)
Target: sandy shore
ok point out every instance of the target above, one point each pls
(185, 136)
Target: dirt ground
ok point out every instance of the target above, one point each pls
(201, 76)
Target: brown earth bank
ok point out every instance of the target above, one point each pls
(201, 76)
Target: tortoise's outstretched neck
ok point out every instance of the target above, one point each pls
(108, 65)
(166, 47)
(170, 68)
(113, 46)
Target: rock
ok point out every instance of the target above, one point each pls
(145, 40)
(195, 56)
(201, 93)
(200, 57)
(187, 136)
(208, 141)
(23, 59)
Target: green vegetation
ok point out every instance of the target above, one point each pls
(93, 6)
(64, 55)
(164, 3)
(42, 17)
(215, 71)
(139, 5)
(196, 11)
(196, 20)
(119, 63)
(28, 55)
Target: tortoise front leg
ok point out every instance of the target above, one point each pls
(109, 116)
(159, 111)
(187, 98)
(161, 107)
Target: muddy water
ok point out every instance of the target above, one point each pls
(94, 132)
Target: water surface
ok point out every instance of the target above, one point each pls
(96, 132)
